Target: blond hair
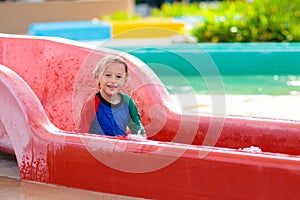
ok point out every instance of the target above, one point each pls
(105, 62)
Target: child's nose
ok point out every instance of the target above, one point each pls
(113, 78)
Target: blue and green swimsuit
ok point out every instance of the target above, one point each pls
(113, 119)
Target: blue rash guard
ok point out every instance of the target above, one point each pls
(113, 119)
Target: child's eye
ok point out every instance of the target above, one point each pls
(119, 77)
(108, 75)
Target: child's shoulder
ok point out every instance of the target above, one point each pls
(126, 97)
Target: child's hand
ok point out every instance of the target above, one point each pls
(136, 137)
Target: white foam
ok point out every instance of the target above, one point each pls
(251, 149)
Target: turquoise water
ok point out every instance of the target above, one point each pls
(242, 85)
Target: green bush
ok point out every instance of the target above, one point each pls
(240, 21)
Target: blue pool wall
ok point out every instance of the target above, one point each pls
(229, 58)
(88, 30)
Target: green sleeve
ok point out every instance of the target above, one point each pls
(134, 123)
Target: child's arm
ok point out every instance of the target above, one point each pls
(86, 116)
(135, 124)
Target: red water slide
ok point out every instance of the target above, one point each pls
(44, 84)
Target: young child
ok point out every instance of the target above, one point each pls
(114, 111)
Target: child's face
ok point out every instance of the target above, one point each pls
(113, 80)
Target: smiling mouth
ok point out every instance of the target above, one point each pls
(112, 86)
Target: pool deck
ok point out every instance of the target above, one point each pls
(265, 106)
